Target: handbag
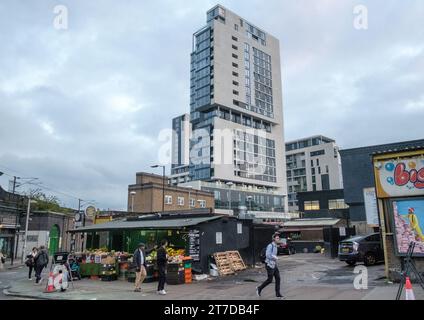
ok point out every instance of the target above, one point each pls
(29, 263)
(3, 259)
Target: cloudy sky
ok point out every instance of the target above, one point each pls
(82, 108)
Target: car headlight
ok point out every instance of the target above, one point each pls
(355, 246)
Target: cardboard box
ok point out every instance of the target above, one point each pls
(108, 260)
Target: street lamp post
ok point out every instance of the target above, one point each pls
(80, 201)
(163, 184)
(26, 227)
(132, 193)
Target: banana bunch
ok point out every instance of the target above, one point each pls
(152, 255)
(174, 252)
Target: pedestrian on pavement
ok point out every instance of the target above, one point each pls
(30, 261)
(140, 264)
(41, 261)
(271, 267)
(2, 260)
(162, 259)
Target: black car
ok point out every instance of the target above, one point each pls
(367, 249)
(285, 247)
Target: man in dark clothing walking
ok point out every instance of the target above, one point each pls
(162, 260)
(41, 261)
(271, 267)
(140, 263)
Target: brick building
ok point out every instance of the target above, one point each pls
(145, 196)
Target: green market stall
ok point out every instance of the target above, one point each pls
(123, 236)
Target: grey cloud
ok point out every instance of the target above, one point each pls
(82, 108)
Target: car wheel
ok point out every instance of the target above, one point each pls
(370, 259)
(351, 262)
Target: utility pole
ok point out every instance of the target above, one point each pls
(14, 184)
(163, 189)
(16, 223)
(83, 224)
(26, 229)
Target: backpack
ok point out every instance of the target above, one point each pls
(262, 256)
(43, 259)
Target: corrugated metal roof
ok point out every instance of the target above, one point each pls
(311, 222)
(147, 224)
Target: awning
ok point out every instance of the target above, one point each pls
(310, 223)
(145, 224)
(300, 229)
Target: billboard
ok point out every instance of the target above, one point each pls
(408, 224)
(399, 177)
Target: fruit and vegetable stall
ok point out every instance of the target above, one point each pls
(110, 265)
(192, 238)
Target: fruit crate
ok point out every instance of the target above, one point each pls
(175, 278)
(90, 269)
(174, 267)
(112, 277)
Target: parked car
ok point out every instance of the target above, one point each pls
(286, 247)
(367, 249)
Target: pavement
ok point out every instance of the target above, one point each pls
(304, 277)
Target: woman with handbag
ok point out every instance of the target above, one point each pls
(30, 261)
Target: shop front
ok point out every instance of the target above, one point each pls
(399, 182)
(309, 234)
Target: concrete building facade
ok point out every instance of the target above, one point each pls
(181, 131)
(236, 111)
(312, 164)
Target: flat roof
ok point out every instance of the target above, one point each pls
(147, 224)
(387, 147)
(323, 138)
(311, 222)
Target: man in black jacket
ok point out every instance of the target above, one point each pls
(162, 259)
(41, 261)
(139, 261)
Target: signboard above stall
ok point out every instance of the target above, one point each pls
(399, 175)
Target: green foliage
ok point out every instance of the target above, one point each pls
(46, 202)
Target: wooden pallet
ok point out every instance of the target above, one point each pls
(229, 262)
(236, 260)
(223, 263)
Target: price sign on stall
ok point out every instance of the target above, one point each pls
(194, 244)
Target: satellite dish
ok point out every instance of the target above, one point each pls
(90, 211)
